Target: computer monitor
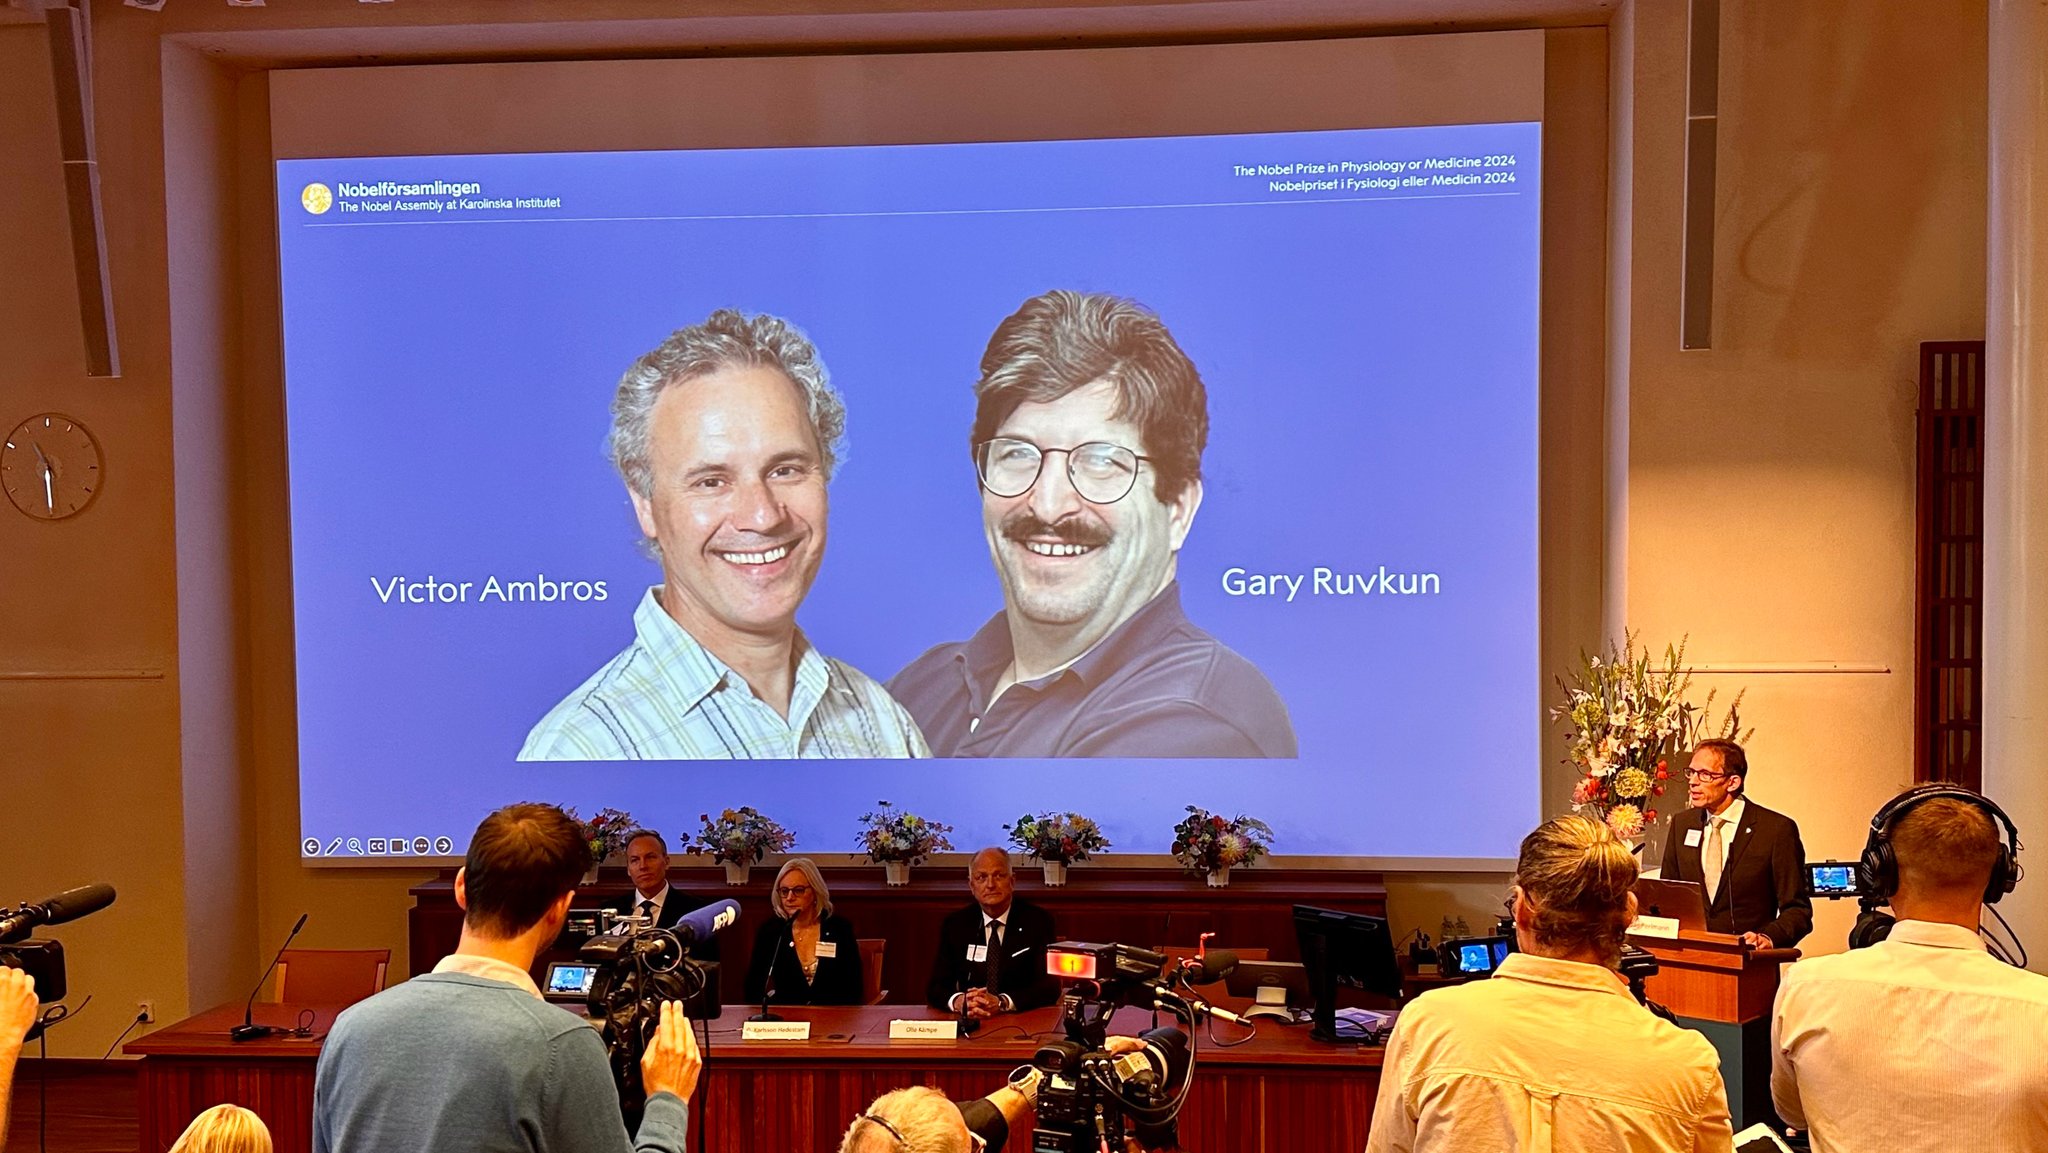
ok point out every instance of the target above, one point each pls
(1348, 949)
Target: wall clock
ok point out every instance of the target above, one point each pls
(50, 466)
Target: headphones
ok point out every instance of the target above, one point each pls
(1877, 872)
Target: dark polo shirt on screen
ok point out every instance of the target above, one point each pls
(1156, 686)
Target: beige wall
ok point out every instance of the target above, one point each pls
(1770, 499)
(1851, 226)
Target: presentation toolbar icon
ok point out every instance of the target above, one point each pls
(355, 846)
(444, 846)
(334, 846)
(377, 846)
(311, 847)
(419, 846)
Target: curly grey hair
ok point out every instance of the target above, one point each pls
(726, 339)
(919, 1119)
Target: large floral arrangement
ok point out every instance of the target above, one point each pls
(740, 836)
(1205, 842)
(892, 834)
(1061, 838)
(1627, 716)
(606, 831)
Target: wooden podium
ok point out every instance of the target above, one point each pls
(1712, 976)
(1722, 988)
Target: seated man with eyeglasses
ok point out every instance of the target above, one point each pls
(1748, 858)
(1088, 433)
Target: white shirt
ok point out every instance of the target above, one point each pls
(1922, 1041)
(658, 900)
(1546, 1055)
(953, 1002)
(490, 969)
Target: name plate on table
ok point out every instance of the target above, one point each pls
(948, 1030)
(775, 1031)
(1655, 927)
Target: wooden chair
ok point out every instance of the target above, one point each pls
(1214, 991)
(871, 949)
(331, 976)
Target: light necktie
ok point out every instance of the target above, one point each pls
(1712, 857)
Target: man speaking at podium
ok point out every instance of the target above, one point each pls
(1747, 858)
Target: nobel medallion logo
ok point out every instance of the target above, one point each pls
(317, 198)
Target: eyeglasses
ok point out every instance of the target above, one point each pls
(988, 878)
(792, 891)
(1101, 472)
(1704, 775)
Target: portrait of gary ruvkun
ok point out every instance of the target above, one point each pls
(1089, 427)
(726, 435)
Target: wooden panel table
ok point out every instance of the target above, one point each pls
(1278, 1091)
(191, 1066)
(1137, 906)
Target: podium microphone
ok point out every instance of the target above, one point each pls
(768, 983)
(247, 1030)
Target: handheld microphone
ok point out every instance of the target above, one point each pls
(1203, 1007)
(68, 905)
(768, 982)
(248, 1030)
(700, 925)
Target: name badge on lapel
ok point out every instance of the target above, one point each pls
(1692, 838)
(978, 954)
(827, 949)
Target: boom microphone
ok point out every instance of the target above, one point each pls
(68, 905)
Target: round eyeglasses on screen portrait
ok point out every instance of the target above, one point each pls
(1103, 473)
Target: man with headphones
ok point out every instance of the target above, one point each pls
(1922, 1041)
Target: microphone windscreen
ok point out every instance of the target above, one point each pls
(72, 904)
(1214, 967)
(984, 1119)
(702, 924)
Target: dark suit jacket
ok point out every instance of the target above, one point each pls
(1763, 886)
(672, 910)
(838, 980)
(1027, 930)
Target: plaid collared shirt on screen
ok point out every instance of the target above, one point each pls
(667, 698)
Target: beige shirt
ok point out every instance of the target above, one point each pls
(1921, 1041)
(1546, 1055)
(490, 969)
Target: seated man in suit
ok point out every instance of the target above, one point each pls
(1747, 858)
(992, 953)
(652, 895)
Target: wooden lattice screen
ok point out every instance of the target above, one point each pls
(1948, 690)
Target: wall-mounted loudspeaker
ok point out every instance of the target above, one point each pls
(1702, 105)
(71, 66)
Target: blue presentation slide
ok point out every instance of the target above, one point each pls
(1280, 561)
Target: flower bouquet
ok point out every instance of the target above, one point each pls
(606, 833)
(738, 839)
(899, 839)
(1627, 718)
(1057, 840)
(1207, 843)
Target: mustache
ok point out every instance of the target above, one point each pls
(1026, 525)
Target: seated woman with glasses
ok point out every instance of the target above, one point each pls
(805, 954)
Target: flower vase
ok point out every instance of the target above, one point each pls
(1219, 878)
(736, 872)
(897, 872)
(1055, 873)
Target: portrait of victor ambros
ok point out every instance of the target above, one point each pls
(1089, 427)
(726, 436)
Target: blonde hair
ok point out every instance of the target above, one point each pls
(919, 1119)
(224, 1129)
(809, 869)
(1946, 846)
(1577, 877)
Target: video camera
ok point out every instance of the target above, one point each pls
(43, 960)
(1090, 1098)
(639, 967)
